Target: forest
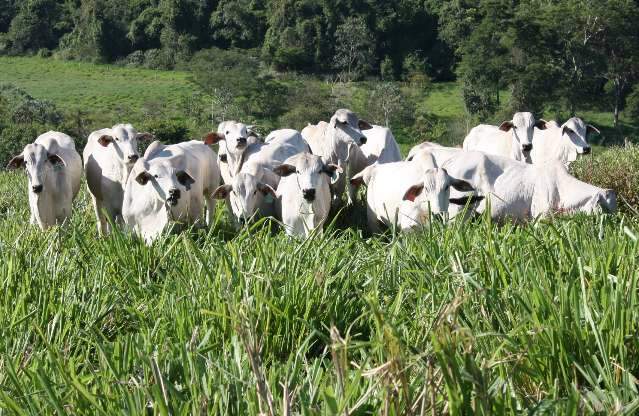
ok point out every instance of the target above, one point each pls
(553, 56)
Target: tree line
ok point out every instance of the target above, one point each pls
(538, 55)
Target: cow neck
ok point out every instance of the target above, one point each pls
(235, 164)
(42, 205)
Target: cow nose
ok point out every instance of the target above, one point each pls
(133, 158)
(586, 150)
(36, 189)
(174, 193)
(363, 140)
(241, 140)
(242, 221)
(526, 147)
(308, 194)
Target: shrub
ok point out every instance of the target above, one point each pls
(167, 131)
(14, 137)
(615, 168)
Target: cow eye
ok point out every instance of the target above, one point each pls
(156, 176)
(227, 132)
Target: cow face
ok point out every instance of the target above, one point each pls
(310, 173)
(169, 184)
(124, 141)
(522, 127)
(245, 194)
(432, 194)
(235, 137)
(38, 163)
(574, 132)
(348, 126)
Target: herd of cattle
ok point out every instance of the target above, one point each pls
(517, 170)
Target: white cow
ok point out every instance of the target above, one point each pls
(406, 193)
(109, 157)
(563, 143)
(338, 142)
(304, 195)
(250, 194)
(512, 139)
(522, 191)
(54, 170)
(244, 199)
(235, 131)
(171, 184)
(440, 153)
(380, 146)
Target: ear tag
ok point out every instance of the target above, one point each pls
(268, 198)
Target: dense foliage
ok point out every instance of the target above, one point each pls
(466, 319)
(560, 56)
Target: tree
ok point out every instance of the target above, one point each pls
(354, 48)
(239, 23)
(387, 100)
(34, 26)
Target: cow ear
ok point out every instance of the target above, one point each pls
(506, 126)
(541, 124)
(224, 158)
(185, 179)
(55, 160)
(266, 189)
(331, 169)
(461, 185)
(466, 200)
(213, 137)
(104, 140)
(145, 136)
(222, 191)
(16, 163)
(284, 170)
(364, 125)
(143, 178)
(592, 129)
(413, 192)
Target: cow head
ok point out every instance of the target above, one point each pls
(245, 194)
(234, 135)
(347, 125)
(432, 193)
(310, 173)
(123, 138)
(574, 133)
(522, 127)
(38, 163)
(169, 183)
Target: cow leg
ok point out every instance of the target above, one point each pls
(210, 209)
(100, 218)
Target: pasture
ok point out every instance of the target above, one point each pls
(471, 318)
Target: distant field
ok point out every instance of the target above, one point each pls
(102, 90)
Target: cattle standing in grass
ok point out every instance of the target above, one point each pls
(563, 143)
(109, 157)
(512, 139)
(171, 184)
(54, 170)
(244, 199)
(233, 146)
(380, 146)
(338, 142)
(413, 190)
(521, 191)
(303, 194)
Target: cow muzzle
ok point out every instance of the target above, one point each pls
(363, 140)
(133, 158)
(308, 194)
(36, 189)
(241, 142)
(526, 147)
(585, 150)
(174, 196)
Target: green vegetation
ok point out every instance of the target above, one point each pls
(470, 318)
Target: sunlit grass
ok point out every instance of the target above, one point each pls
(471, 318)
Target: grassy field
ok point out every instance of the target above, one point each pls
(469, 319)
(466, 319)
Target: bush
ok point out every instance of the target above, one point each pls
(615, 168)
(167, 131)
(23, 108)
(14, 137)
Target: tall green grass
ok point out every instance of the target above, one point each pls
(465, 319)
